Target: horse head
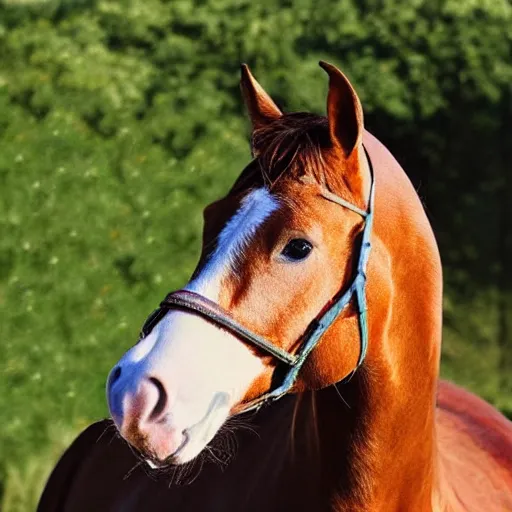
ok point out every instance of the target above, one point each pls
(285, 244)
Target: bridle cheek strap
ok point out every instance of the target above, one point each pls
(195, 303)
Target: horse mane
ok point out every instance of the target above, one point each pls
(293, 146)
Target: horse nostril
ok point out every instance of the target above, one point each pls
(114, 376)
(161, 402)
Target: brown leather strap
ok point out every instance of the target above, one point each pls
(190, 301)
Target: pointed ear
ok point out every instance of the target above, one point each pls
(262, 110)
(344, 111)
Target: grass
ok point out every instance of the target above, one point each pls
(25, 479)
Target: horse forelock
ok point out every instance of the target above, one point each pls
(294, 146)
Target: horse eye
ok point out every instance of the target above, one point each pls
(297, 249)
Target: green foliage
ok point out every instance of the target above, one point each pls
(120, 120)
(25, 478)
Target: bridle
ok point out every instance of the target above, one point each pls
(196, 303)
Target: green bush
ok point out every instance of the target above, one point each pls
(120, 120)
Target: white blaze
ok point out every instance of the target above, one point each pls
(204, 368)
(256, 207)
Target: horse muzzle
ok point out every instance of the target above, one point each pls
(142, 416)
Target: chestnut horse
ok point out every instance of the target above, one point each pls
(288, 301)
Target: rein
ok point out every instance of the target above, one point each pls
(195, 303)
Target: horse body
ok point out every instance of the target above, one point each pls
(474, 453)
(376, 441)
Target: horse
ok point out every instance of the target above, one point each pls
(302, 358)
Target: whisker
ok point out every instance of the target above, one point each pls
(215, 458)
(110, 426)
(199, 459)
(173, 474)
(339, 394)
(293, 424)
(314, 412)
(137, 464)
(234, 423)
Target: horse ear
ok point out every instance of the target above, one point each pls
(344, 111)
(262, 110)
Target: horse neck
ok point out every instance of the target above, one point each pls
(376, 434)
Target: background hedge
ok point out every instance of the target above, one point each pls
(120, 120)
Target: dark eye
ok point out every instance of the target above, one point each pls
(297, 249)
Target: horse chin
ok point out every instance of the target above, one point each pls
(194, 438)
